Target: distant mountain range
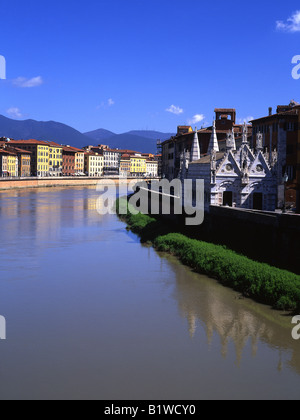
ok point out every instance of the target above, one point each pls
(141, 141)
(51, 130)
(100, 134)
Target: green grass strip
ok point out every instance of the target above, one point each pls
(259, 281)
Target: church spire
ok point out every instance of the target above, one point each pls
(213, 144)
(195, 152)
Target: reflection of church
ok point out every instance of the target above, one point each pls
(214, 314)
(242, 177)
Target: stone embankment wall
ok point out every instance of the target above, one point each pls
(263, 236)
(267, 237)
(59, 182)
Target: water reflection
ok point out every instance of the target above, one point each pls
(100, 316)
(222, 314)
(36, 220)
(41, 213)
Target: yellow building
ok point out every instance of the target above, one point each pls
(79, 162)
(55, 159)
(8, 163)
(93, 164)
(42, 160)
(12, 165)
(138, 165)
(39, 155)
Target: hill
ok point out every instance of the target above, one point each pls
(132, 142)
(142, 140)
(155, 135)
(100, 135)
(50, 130)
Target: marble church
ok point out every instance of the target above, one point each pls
(242, 178)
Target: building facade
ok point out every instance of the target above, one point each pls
(24, 162)
(55, 159)
(39, 155)
(3, 163)
(94, 164)
(138, 165)
(181, 144)
(111, 161)
(281, 133)
(240, 177)
(158, 159)
(152, 168)
(68, 165)
(12, 164)
(79, 161)
(125, 165)
(8, 163)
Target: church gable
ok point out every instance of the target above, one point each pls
(259, 166)
(229, 166)
(244, 154)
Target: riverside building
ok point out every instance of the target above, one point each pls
(240, 177)
(94, 164)
(39, 155)
(281, 133)
(138, 165)
(174, 148)
(55, 159)
(8, 164)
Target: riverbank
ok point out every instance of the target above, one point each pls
(259, 281)
(60, 182)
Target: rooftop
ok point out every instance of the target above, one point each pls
(31, 141)
(207, 158)
(225, 110)
(7, 152)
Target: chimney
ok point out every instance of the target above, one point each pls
(270, 111)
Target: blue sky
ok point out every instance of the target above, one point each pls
(146, 64)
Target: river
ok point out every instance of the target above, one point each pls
(93, 314)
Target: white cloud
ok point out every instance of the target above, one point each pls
(196, 119)
(23, 82)
(245, 120)
(175, 110)
(291, 25)
(14, 112)
(110, 102)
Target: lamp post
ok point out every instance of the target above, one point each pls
(285, 180)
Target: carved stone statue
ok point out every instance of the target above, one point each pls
(259, 141)
(245, 134)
